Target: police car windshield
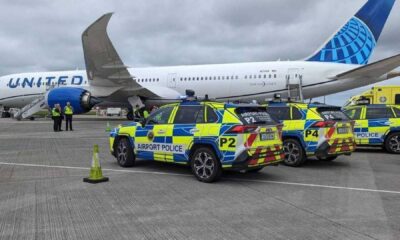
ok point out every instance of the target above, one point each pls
(332, 114)
(254, 116)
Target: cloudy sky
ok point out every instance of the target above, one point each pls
(44, 35)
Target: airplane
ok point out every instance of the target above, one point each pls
(340, 64)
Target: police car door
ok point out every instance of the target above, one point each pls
(187, 126)
(150, 138)
(378, 123)
(360, 123)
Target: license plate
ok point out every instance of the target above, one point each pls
(343, 130)
(267, 136)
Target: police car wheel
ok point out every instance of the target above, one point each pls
(294, 153)
(205, 165)
(392, 143)
(124, 153)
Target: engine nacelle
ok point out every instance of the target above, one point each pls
(80, 99)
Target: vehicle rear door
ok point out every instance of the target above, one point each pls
(187, 125)
(357, 114)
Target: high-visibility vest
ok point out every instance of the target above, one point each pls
(145, 114)
(54, 113)
(68, 110)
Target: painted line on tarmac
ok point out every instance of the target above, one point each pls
(190, 175)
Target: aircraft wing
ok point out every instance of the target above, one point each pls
(373, 70)
(104, 67)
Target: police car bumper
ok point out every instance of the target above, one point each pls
(337, 147)
(261, 157)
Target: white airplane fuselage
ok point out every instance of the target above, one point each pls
(224, 82)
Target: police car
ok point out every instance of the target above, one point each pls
(208, 136)
(376, 125)
(312, 130)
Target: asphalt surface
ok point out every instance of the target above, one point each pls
(42, 195)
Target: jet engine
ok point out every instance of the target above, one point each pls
(80, 99)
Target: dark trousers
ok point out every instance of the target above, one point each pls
(56, 125)
(60, 123)
(68, 122)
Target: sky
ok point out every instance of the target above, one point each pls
(45, 35)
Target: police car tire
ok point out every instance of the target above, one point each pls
(126, 148)
(302, 157)
(328, 159)
(387, 142)
(210, 155)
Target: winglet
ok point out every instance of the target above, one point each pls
(101, 59)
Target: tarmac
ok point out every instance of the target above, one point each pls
(42, 195)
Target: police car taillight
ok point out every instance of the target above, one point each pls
(324, 124)
(243, 129)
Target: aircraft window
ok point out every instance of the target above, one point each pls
(259, 76)
(265, 75)
(206, 78)
(227, 78)
(295, 75)
(245, 77)
(237, 77)
(198, 78)
(250, 76)
(270, 76)
(274, 75)
(155, 79)
(255, 76)
(223, 78)
(233, 77)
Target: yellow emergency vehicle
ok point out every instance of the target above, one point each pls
(312, 130)
(376, 125)
(208, 136)
(378, 95)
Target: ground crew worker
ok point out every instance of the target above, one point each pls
(60, 118)
(68, 112)
(55, 115)
(136, 112)
(145, 113)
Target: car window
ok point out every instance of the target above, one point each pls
(397, 99)
(161, 116)
(374, 113)
(189, 115)
(332, 113)
(296, 114)
(354, 114)
(254, 115)
(281, 113)
(397, 112)
(212, 117)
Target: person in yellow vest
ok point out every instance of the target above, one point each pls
(145, 113)
(68, 112)
(55, 115)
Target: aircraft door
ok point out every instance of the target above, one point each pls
(294, 83)
(172, 79)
